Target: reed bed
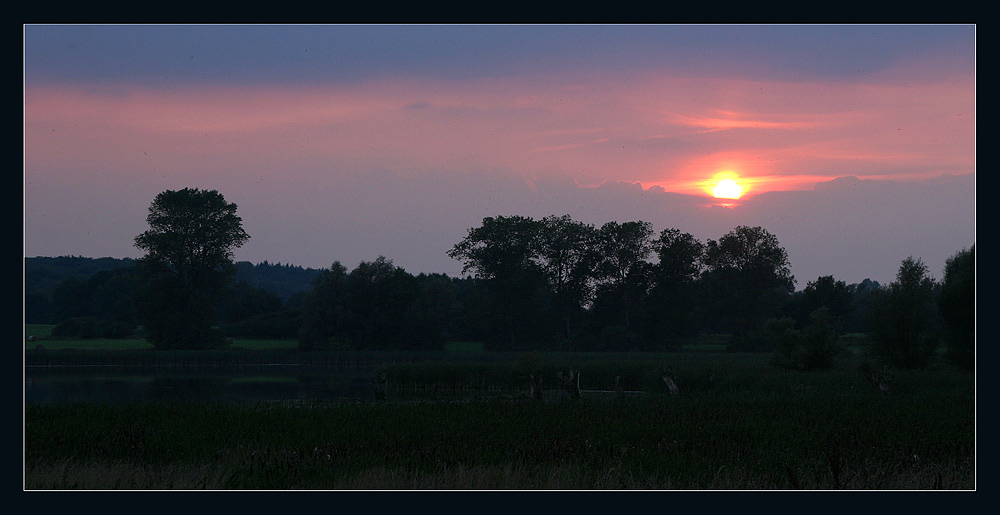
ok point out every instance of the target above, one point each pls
(736, 425)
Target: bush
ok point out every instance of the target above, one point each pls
(278, 325)
(756, 341)
(811, 349)
(820, 340)
(615, 338)
(92, 327)
(788, 348)
(113, 329)
(77, 327)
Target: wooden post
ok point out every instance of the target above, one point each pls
(572, 383)
(668, 378)
(381, 386)
(536, 387)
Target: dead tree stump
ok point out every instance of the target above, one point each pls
(536, 387)
(572, 383)
(669, 380)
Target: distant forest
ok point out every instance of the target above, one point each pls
(43, 274)
(549, 284)
(50, 282)
(266, 301)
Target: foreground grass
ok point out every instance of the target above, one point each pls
(755, 428)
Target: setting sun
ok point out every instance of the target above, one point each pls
(727, 188)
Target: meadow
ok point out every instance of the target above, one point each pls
(463, 420)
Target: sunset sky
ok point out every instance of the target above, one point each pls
(854, 145)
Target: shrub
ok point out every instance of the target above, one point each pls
(77, 327)
(820, 340)
(277, 325)
(787, 342)
(902, 320)
(810, 349)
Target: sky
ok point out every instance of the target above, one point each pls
(855, 145)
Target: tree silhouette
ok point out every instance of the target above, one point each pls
(189, 250)
(957, 305)
(384, 301)
(672, 307)
(326, 316)
(749, 276)
(902, 318)
(567, 257)
(824, 292)
(623, 249)
(502, 252)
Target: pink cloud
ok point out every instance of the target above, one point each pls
(653, 129)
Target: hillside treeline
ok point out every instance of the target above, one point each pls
(547, 284)
(58, 288)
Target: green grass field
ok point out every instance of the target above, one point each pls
(757, 442)
(738, 424)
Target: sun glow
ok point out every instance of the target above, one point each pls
(727, 188)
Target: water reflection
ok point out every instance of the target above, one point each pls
(247, 384)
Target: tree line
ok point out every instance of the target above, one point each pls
(57, 288)
(553, 283)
